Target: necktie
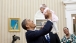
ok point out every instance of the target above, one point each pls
(48, 38)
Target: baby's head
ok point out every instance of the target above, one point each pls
(45, 10)
(42, 7)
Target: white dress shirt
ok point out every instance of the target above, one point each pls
(46, 36)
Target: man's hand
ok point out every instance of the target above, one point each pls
(49, 13)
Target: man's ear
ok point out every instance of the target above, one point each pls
(27, 25)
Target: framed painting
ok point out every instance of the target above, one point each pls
(14, 24)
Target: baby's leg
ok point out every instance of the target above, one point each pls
(55, 26)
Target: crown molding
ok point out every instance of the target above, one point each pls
(69, 2)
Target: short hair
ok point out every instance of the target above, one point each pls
(65, 27)
(43, 5)
(24, 24)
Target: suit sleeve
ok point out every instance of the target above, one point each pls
(46, 29)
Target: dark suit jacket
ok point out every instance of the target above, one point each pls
(38, 36)
(54, 38)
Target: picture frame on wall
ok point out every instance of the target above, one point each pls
(14, 24)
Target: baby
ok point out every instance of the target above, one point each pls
(54, 18)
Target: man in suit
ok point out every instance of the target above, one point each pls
(54, 38)
(36, 36)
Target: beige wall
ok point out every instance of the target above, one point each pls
(26, 9)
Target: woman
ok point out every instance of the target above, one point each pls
(68, 38)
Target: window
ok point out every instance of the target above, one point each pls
(40, 23)
(39, 20)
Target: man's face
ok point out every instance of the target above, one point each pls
(66, 31)
(42, 9)
(30, 23)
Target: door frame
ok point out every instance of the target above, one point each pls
(70, 8)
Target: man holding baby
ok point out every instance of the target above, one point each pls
(53, 37)
(44, 35)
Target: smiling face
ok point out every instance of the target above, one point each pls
(42, 9)
(30, 24)
(66, 31)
